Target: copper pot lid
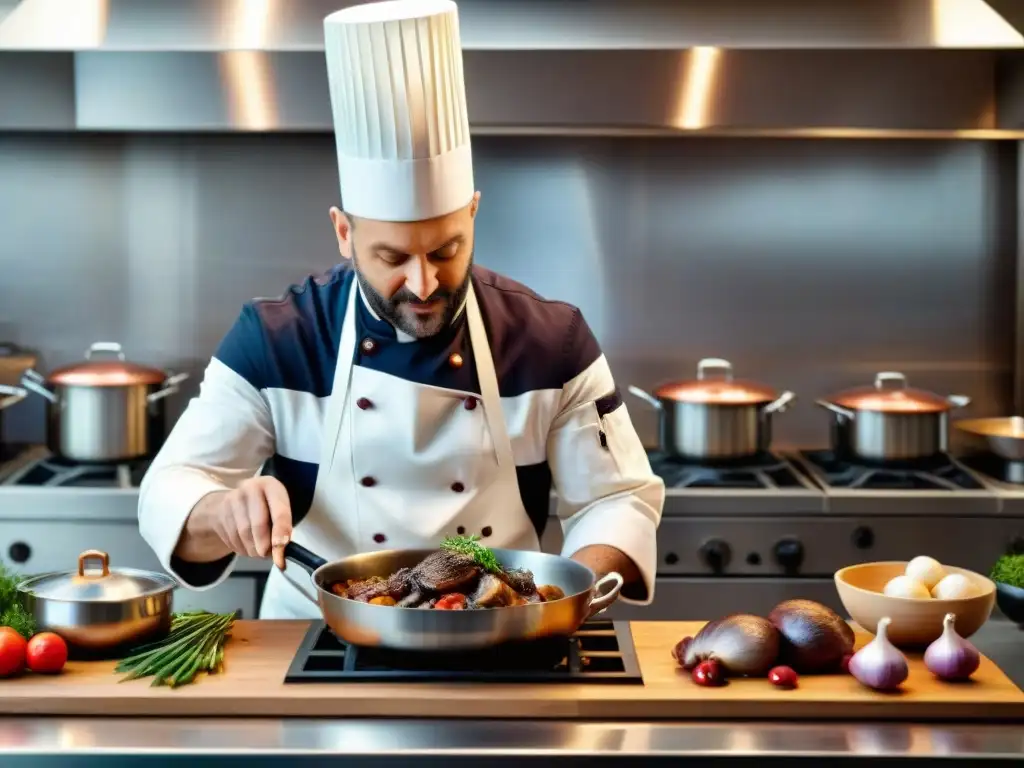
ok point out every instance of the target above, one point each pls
(715, 385)
(116, 372)
(97, 585)
(892, 394)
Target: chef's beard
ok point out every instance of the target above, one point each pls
(395, 310)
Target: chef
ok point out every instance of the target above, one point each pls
(407, 394)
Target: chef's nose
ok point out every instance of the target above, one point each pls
(421, 278)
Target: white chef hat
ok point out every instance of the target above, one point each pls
(399, 102)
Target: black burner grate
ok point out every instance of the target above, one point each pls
(996, 467)
(600, 652)
(762, 471)
(938, 473)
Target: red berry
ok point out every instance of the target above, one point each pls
(784, 677)
(708, 673)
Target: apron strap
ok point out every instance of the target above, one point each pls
(488, 378)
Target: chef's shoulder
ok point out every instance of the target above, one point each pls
(535, 338)
(289, 341)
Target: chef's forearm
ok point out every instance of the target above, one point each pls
(199, 541)
(603, 559)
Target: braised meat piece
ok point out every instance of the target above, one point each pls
(365, 590)
(520, 579)
(446, 572)
(492, 592)
(413, 600)
(400, 584)
(550, 592)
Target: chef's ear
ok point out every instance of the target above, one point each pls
(473, 206)
(343, 227)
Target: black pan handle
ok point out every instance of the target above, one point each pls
(302, 556)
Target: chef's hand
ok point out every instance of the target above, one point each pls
(254, 519)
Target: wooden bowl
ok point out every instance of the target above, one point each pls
(916, 622)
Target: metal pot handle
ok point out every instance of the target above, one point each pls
(93, 554)
(170, 387)
(714, 363)
(781, 403)
(601, 601)
(11, 395)
(33, 381)
(839, 410)
(647, 398)
(958, 401)
(884, 376)
(104, 346)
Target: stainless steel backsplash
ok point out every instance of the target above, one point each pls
(809, 264)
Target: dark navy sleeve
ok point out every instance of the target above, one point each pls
(244, 348)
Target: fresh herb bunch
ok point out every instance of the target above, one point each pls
(1009, 569)
(194, 644)
(467, 545)
(12, 610)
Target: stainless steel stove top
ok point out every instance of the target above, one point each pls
(33, 466)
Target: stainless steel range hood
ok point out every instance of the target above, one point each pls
(781, 67)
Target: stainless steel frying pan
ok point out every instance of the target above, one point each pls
(416, 629)
(1004, 436)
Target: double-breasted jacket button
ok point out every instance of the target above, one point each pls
(368, 345)
(380, 538)
(455, 360)
(458, 487)
(368, 481)
(461, 530)
(469, 403)
(486, 531)
(364, 403)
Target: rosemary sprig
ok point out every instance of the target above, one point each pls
(467, 545)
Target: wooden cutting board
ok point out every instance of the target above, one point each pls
(260, 652)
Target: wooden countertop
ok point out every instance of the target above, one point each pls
(259, 653)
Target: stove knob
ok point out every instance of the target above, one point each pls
(863, 537)
(671, 558)
(789, 553)
(715, 553)
(19, 552)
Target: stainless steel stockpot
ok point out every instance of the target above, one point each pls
(715, 417)
(890, 421)
(105, 409)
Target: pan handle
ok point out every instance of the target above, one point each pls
(601, 601)
(309, 561)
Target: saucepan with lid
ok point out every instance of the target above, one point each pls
(100, 608)
(432, 630)
(715, 416)
(105, 409)
(891, 421)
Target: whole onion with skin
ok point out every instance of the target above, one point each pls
(814, 637)
(951, 657)
(742, 644)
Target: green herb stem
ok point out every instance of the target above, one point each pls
(195, 643)
(468, 545)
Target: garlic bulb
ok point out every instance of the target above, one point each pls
(879, 664)
(953, 587)
(951, 657)
(904, 586)
(926, 570)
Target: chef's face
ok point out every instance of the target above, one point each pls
(415, 274)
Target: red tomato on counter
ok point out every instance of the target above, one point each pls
(47, 653)
(12, 653)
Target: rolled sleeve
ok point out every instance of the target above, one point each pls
(607, 492)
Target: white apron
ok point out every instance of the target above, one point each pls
(416, 436)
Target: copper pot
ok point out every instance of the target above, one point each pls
(890, 421)
(715, 417)
(105, 409)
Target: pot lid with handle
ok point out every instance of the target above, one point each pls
(110, 370)
(891, 393)
(98, 584)
(715, 385)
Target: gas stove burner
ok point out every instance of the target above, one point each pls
(996, 467)
(765, 470)
(36, 466)
(600, 652)
(939, 472)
